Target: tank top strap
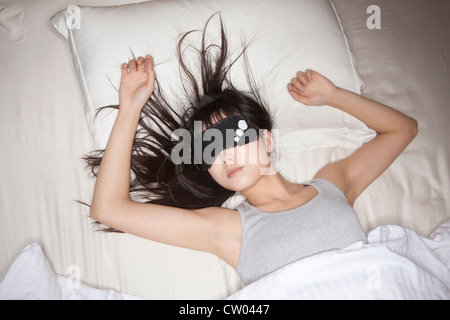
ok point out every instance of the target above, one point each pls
(326, 186)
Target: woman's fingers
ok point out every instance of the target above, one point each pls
(149, 62)
(293, 89)
(124, 69)
(309, 74)
(150, 71)
(141, 64)
(297, 84)
(132, 65)
(302, 77)
(296, 94)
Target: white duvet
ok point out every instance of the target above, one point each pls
(30, 277)
(396, 263)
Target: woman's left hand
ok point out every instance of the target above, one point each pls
(311, 88)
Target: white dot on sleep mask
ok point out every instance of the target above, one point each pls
(242, 124)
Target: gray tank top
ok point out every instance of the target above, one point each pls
(273, 240)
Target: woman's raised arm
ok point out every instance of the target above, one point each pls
(204, 229)
(113, 179)
(394, 132)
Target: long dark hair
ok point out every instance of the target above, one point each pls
(154, 176)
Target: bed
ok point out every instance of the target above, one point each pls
(52, 79)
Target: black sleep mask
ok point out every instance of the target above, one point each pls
(227, 133)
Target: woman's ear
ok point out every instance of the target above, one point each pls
(268, 139)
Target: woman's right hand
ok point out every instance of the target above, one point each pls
(136, 84)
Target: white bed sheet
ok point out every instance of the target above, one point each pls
(43, 135)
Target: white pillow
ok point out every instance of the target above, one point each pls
(286, 36)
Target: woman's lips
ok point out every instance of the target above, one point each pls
(234, 172)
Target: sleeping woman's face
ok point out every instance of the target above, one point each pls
(240, 167)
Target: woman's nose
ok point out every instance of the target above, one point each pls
(228, 156)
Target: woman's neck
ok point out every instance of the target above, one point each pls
(270, 188)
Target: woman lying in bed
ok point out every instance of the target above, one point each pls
(187, 180)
